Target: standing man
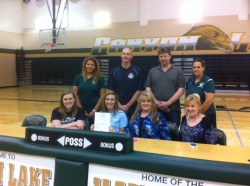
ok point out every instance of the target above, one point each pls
(167, 83)
(127, 81)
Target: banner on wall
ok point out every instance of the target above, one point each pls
(111, 176)
(19, 169)
(199, 39)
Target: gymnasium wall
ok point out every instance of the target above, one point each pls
(8, 75)
(133, 30)
(11, 28)
(220, 64)
(9, 42)
(106, 43)
(222, 41)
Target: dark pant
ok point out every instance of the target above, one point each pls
(212, 119)
(173, 116)
(129, 116)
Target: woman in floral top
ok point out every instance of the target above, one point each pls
(146, 121)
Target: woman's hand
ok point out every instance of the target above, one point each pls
(163, 106)
(91, 114)
(92, 127)
(111, 129)
(123, 107)
(80, 125)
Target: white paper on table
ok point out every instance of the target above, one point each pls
(102, 121)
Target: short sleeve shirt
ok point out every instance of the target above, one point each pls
(125, 82)
(69, 119)
(206, 85)
(119, 120)
(89, 92)
(165, 84)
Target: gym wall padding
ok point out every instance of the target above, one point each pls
(45, 71)
(70, 173)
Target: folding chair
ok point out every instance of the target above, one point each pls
(87, 124)
(173, 130)
(34, 120)
(221, 137)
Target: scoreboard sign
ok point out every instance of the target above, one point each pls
(18, 169)
(120, 143)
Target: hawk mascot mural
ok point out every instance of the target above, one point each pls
(212, 38)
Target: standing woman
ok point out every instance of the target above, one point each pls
(119, 119)
(89, 87)
(204, 86)
(147, 122)
(68, 115)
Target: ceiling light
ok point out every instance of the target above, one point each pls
(101, 19)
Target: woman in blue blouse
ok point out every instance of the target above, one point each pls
(119, 119)
(195, 127)
(146, 121)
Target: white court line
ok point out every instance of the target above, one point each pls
(236, 130)
(11, 113)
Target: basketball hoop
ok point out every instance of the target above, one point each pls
(48, 40)
(45, 45)
(48, 46)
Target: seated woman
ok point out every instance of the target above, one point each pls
(68, 115)
(146, 121)
(195, 127)
(119, 119)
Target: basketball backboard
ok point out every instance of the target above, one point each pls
(52, 38)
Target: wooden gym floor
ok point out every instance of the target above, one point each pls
(233, 112)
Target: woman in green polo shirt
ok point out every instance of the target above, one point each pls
(89, 87)
(204, 86)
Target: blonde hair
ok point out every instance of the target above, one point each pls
(149, 96)
(96, 72)
(192, 97)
